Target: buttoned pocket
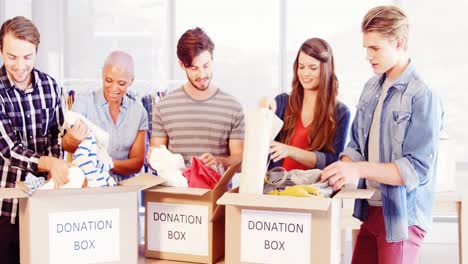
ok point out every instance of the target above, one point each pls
(400, 124)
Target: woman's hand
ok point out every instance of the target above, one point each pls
(279, 151)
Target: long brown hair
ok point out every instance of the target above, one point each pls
(323, 128)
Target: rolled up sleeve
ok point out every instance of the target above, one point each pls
(351, 153)
(420, 145)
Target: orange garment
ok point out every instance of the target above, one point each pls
(298, 140)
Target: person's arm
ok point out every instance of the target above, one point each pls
(236, 148)
(341, 173)
(279, 151)
(418, 152)
(136, 157)
(74, 136)
(56, 168)
(25, 159)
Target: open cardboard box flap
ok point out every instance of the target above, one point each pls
(346, 193)
(274, 201)
(227, 176)
(142, 181)
(136, 183)
(8, 193)
(290, 202)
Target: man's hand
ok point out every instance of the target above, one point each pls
(340, 173)
(57, 169)
(208, 159)
(279, 151)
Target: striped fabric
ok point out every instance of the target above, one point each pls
(86, 158)
(196, 127)
(30, 122)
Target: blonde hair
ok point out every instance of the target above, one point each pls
(390, 21)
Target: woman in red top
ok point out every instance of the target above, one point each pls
(315, 122)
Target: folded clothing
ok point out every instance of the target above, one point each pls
(278, 180)
(169, 166)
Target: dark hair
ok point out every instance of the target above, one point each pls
(22, 28)
(323, 128)
(191, 44)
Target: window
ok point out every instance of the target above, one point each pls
(246, 46)
(437, 46)
(94, 28)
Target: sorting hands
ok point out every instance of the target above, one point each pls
(58, 171)
(208, 159)
(279, 151)
(340, 173)
(78, 132)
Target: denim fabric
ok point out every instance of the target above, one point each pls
(409, 133)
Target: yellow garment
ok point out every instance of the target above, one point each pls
(298, 191)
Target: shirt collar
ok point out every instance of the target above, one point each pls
(401, 82)
(6, 82)
(101, 100)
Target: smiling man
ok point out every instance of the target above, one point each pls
(31, 115)
(198, 119)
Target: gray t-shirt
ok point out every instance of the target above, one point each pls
(194, 127)
(374, 143)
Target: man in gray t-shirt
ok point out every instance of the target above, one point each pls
(198, 119)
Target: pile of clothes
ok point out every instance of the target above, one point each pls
(171, 167)
(301, 183)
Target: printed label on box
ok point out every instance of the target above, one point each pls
(275, 237)
(178, 228)
(84, 236)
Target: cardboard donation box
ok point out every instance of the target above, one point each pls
(88, 225)
(284, 229)
(180, 224)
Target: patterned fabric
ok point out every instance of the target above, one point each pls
(194, 127)
(30, 123)
(86, 158)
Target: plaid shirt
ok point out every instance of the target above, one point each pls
(28, 130)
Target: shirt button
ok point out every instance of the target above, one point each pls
(28, 116)
(370, 115)
(376, 96)
(365, 134)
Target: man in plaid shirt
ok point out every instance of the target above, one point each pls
(31, 115)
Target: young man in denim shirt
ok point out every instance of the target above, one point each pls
(393, 147)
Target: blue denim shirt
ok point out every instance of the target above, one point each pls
(324, 158)
(409, 133)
